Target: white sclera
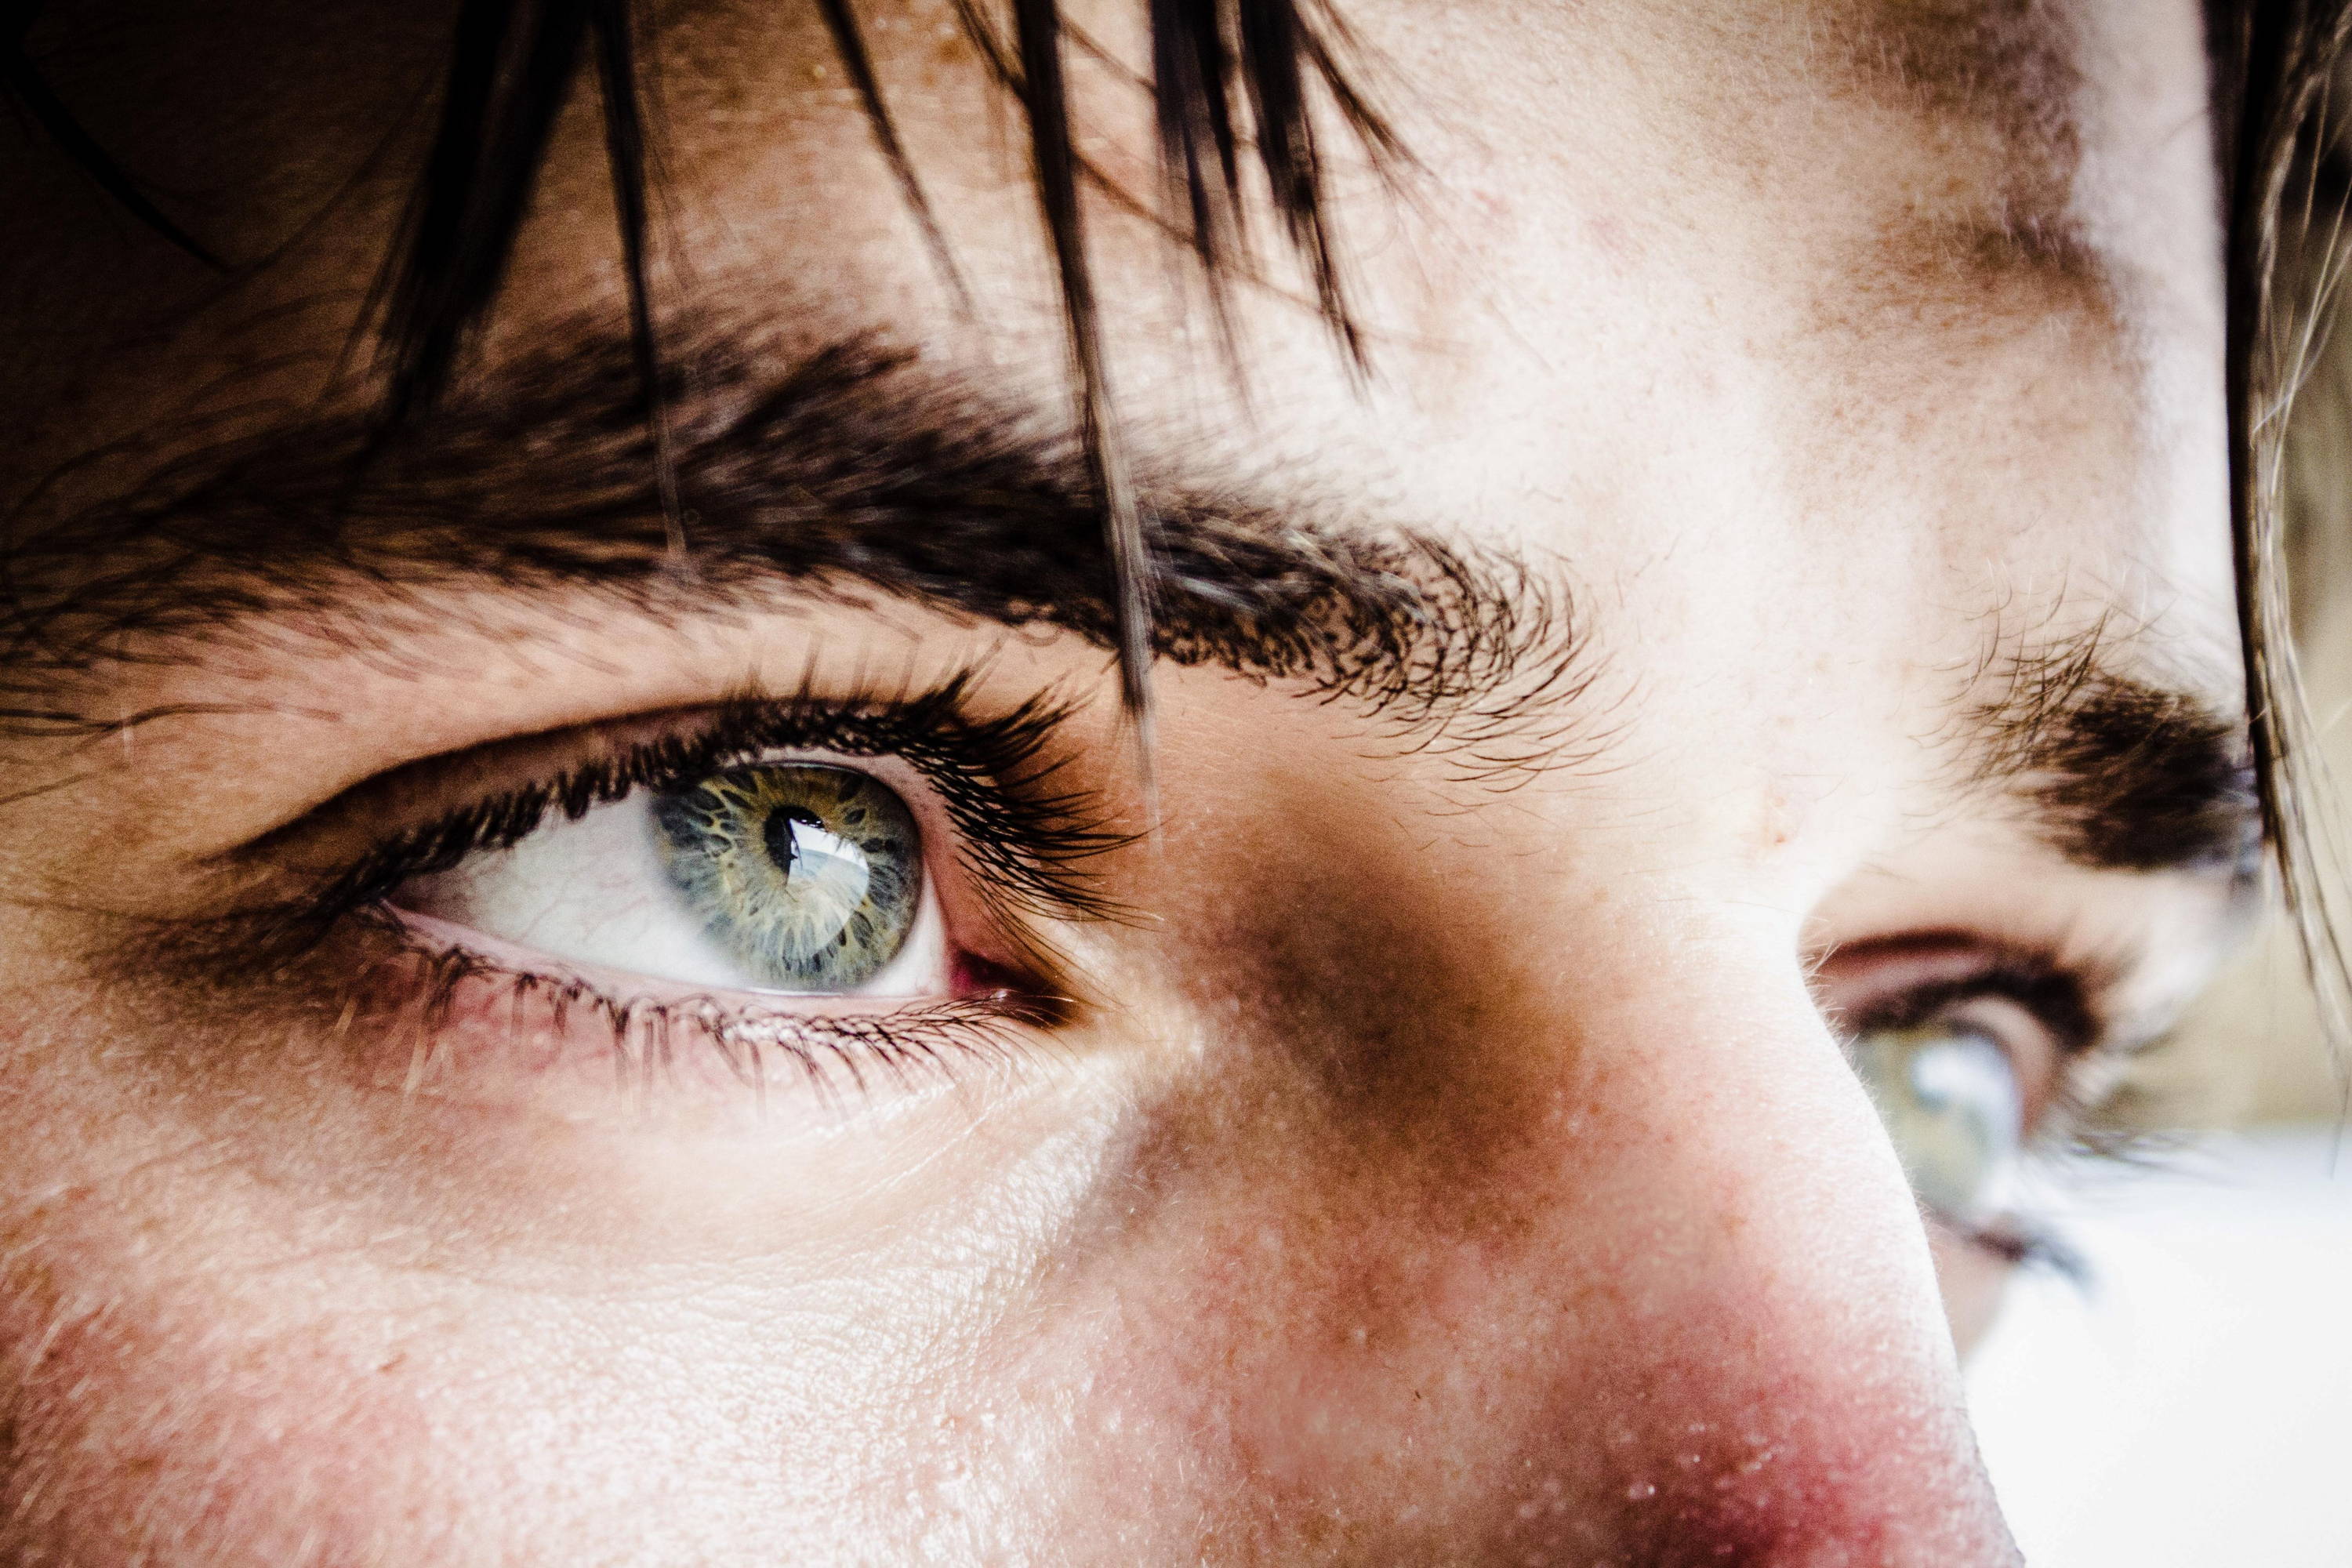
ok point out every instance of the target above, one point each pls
(594, 890)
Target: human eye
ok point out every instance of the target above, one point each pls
(779, 875)
(1972, 1057)
(832, 882)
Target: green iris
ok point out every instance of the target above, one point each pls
(808, 875)
(1949, 1100)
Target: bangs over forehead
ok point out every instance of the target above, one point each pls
(1239, 86)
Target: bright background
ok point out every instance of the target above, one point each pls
(2189, 1406)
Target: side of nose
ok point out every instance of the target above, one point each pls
(1620, 1270)
(1690, 1241)
(1762, 1328)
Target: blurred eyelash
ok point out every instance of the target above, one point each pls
(1027, 844)
(2058, 995)
(2025, 1241)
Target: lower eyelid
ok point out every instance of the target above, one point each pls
(450, 1014)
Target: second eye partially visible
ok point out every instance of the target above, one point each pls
(1973, 1054)
(1948, 1094)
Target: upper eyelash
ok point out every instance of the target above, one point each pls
(2065, 982)
(1028, 845)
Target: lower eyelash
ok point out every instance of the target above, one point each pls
(2023, 1241)
(433, 987)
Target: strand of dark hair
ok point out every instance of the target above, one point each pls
(850, 42)
(512, 65)
(2275, 62)
(28, 92)
(626, 158)
(1037, 27)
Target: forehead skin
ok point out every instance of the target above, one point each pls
(1819, 348)
(1873, 209)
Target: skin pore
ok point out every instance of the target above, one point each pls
(1776, 567)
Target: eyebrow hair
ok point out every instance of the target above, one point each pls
(857, 471)
(2115, 772)
(852, 470)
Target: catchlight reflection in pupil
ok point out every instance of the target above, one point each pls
(810, 876)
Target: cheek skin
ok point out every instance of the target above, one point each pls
(1631, 1294)
(193, 1379)
(150, 1414)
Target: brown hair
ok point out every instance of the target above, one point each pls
(2286, 170)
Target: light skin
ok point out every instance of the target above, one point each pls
(1440, 1144)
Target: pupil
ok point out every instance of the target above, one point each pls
(782, 834)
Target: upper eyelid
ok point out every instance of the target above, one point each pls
(561, 752)
(421, 788)
(702, 739)
(2064, 994)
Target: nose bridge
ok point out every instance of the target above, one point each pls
(1702, 1085)
(1736, 1284)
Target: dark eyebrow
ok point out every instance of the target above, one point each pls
(855, 470)
(848, 472)
(2118, 772)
